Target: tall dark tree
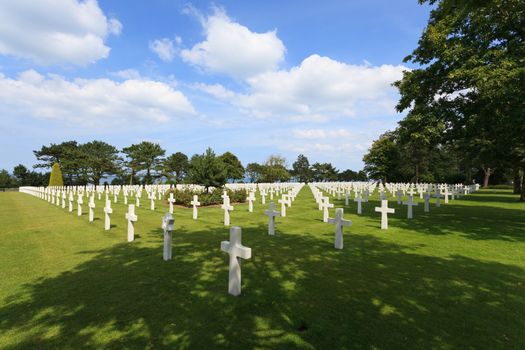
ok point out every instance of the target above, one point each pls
(324, 172)
(21, 175)
(274, 169)
(301, 169)
(176, 164)
(66, 154)
(471, 77)
(234, 168)
(6, 180)
(97, 160)
(207, 170)
(254, 172)
(144, 156)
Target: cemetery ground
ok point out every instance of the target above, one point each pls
(451, 278)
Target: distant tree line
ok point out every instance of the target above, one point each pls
(147, 163)
(465, 102)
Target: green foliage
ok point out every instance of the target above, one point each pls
(254, 172)
(233, 166)
(350, 175)
(178, 165)
(324, 172)
(6, 180)
(207, 170)
(55, 178)
(274, 170)
(184, 197)
(97, 159)
(301, 169)
(470, 82)
(144, 156)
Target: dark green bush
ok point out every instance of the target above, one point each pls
(184, 197)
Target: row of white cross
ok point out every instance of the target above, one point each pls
(234, 246)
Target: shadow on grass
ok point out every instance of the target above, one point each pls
(298, 292)
(476, 222)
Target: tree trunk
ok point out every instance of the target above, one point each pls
(488, 172)
(131, 177)
(517, 181)
(522, 196)
(417, 173)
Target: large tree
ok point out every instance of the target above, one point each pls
(274, 169)
(144, 156)
(67, 155)
(176, 165)
(207, 170)
(301, 169)
(254, 172)
(471, 76)
(98, 159)
(324, 172)
(234, 168)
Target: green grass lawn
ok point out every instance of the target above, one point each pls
(450, 279)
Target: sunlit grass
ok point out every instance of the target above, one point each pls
(451, 278)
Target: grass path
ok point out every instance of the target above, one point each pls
(453, 278)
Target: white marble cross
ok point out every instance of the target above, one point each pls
(283, 201)
(227, 208)
(152, 207)
(250, 199)
(426, 197)
(438, 198)
(326, 206)
(195, 203)
(410, 203)
(446, 194)
(168, 225)
(271, 213)
(125, 198)
(132, 218)
(263, 197)
(272, 191)
(115, 199)
(79, 205)
(63, 199)
(171, 200)
(384, 210)
(399, 194)
(91, 208)
(137, 201)
(70, 207)
(347, 195)
(339, 222)
(107, 212)
(359, 200)
(367, 194)
(236, 250)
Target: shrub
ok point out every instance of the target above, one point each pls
(55, 179)
(184, 197)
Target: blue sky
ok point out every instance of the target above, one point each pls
(251, 77)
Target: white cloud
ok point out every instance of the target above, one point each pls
(55, 31)
(233, 49)
(216, 90)
(163, 48)
(322, 86)
(91, 102)
(127, 74)
(320, 133)
(320, 89)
